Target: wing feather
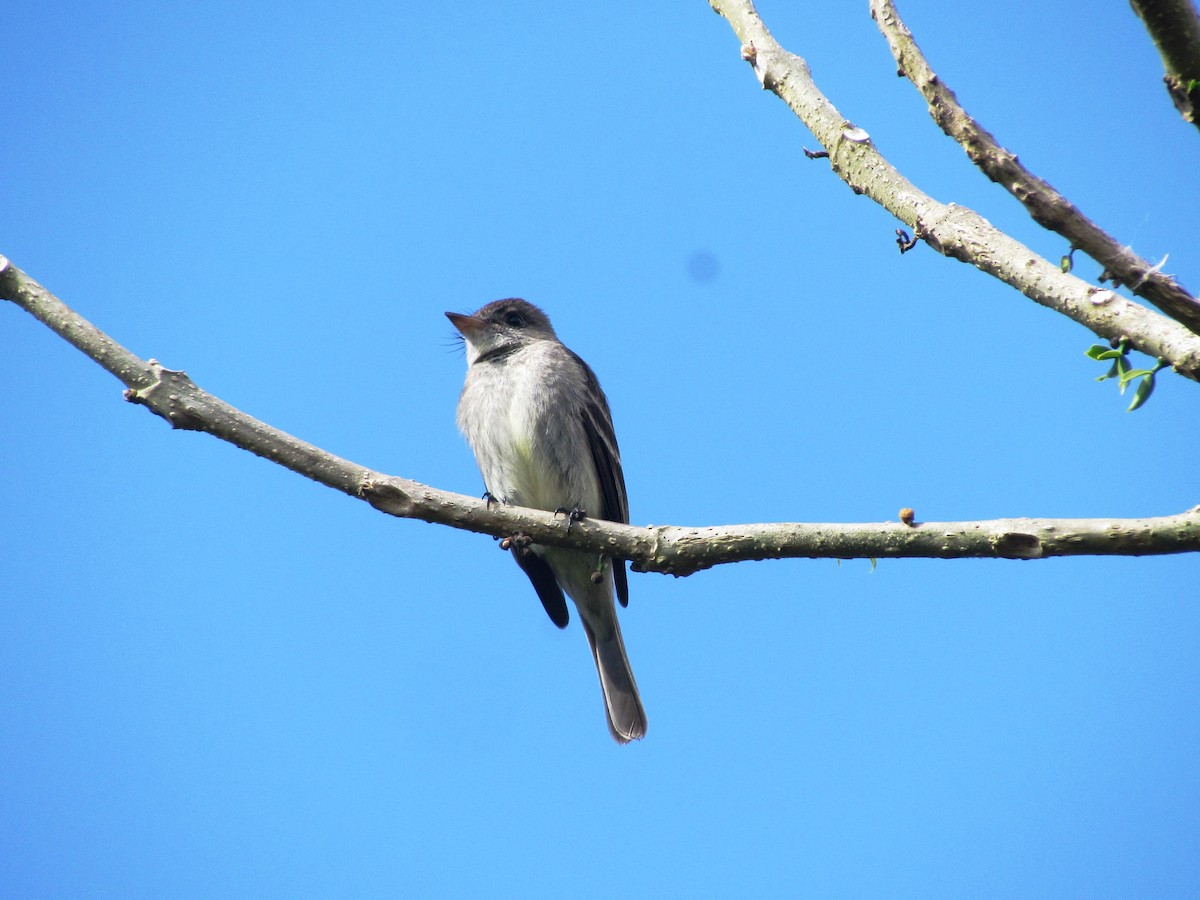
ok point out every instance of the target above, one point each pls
(602, 441)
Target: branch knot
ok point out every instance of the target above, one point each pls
(165, 396)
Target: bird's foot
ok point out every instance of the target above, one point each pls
(574, 514)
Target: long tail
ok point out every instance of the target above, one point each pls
(626, 717)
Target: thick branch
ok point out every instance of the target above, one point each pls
(952, 230)
(1174, 26)
(667, 549)
(1048, 207)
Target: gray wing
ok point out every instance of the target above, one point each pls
(602, 441)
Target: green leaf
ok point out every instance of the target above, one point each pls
(1131, 374)
(1099, 351)
(1065, 263)
(1113, 372)
(1145, 389)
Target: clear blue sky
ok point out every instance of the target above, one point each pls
(220, 679)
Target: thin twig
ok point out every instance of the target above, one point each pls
(1047, 206)
(952, 230)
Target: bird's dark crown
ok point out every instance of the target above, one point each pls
(515, 313)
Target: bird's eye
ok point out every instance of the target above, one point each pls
(515, 319)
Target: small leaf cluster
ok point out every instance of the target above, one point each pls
(1124, 372)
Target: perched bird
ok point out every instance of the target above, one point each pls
(542, 433)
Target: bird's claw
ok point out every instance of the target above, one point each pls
(574, 514)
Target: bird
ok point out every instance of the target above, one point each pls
(542, 434)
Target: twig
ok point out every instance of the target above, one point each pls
(1047, 206)
(667, 549)
(952, 230)
(1174, 26)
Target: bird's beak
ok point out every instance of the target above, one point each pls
(466, 325)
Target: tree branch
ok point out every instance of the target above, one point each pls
(952, 230)
(667, 549)
(1174, 27)
(1048, 207)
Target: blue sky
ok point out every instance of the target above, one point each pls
(220, 679)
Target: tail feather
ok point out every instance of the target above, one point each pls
(626, 717)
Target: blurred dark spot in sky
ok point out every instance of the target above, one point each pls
(703, 267)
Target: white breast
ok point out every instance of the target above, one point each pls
(528, 439)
